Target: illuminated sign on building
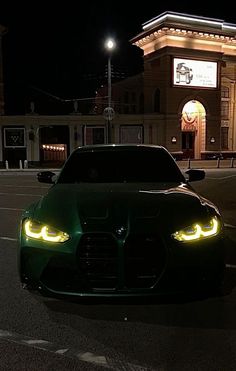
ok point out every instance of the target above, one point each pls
(14, 137)
(190, 72)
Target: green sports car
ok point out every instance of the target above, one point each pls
(121, 220)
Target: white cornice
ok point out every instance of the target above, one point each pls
(180, 17)
(186, 34)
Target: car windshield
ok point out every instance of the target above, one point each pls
(120, 166)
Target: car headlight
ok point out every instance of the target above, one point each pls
(198, 231)
(39, 231)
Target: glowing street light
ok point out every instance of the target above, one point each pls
(109, 112)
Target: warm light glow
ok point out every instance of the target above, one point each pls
(34, 229)
(59, 147)
(190, 107)
(30, 230)
(197, 231)
(51, 236)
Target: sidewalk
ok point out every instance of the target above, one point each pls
(207, 164)
(26, 171)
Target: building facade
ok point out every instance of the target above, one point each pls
(189, 77)
(184, 100)
(3, 30)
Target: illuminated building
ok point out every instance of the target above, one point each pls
(190, 70)
(184, 99)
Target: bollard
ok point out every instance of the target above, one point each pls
(20, 164)
(25, 164)
(232, 162)
(189, 164)
(7, 166)
(218, 162)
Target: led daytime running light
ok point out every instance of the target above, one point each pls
(198, 231)
(44, 232)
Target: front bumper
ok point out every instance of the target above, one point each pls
(100, 265)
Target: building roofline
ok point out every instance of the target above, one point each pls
(186, 21)
(175, 16)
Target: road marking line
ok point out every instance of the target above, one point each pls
(229, 226)
(20, 194)
(4, 333)
(92, 358)
(22, 186)
(61, 351)
(114, 364)
(222, 177)
(10, 208)
(8, 239)
(231, 266)
(32, 342)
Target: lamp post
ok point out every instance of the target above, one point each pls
(109, 112)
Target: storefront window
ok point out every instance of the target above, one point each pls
(224, 92)
(224, 138)
(94, 135)
(225, 109)
(131, 134)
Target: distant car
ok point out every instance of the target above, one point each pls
(215, 156)
(121, 220)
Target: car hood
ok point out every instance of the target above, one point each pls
(109, 207)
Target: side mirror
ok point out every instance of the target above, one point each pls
(46, 177)
(195, 174)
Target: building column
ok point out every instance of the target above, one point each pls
(1, 145)
(72, 130)
(32, 142)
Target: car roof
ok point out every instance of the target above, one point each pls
(98, 147)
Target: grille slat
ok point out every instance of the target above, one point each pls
(100, 265)
(144, 260)
(98, 260)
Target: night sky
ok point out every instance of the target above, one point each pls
(57, 49)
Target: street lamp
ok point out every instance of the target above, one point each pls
(109, 112)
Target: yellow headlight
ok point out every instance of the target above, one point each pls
(34, 229)
(198, 231)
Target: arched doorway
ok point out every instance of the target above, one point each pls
(193, 127)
